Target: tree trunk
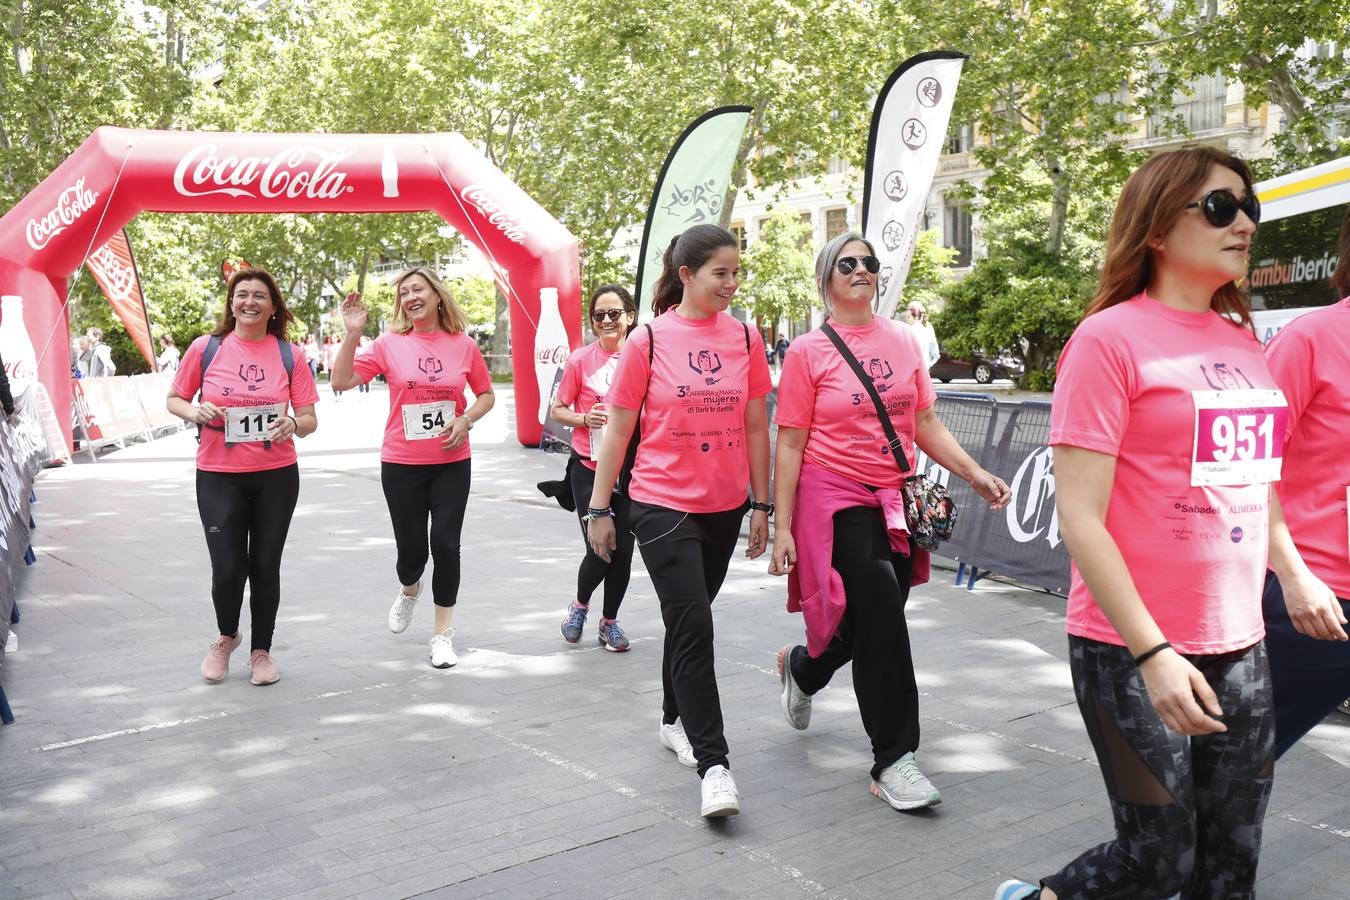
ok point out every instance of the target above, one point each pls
(361, 272)
(500, 364)
(1283, 90)
(1059, 205)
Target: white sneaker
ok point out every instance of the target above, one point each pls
(400, 614)
(719, 793)
(442, 651)
(673, 737)
(903, 786)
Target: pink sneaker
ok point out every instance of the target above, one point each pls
(217, 663)
(264, 668)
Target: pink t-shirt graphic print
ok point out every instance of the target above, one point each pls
(692, 455)
(1186, 405)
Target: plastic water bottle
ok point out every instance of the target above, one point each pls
(550, 347)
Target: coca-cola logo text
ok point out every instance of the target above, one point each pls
(74, 202)
(294, 172)
(551, 356)
(115, 276)
(510, 228)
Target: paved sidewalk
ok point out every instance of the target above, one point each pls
(532, 769)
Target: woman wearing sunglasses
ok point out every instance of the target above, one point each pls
(580, 403)
(1167, 429)
(699, 378)
(1305, 616)
(840, 534)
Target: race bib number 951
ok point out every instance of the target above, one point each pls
(1239, 437)
(424, 421)
(250, 424)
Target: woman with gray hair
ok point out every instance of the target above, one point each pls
(837, 492)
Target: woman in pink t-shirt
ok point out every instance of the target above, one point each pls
(836, 471)
(1305, 619)
(696, 378)
(580, 403)
(1167, 429)
(248, 376)
(427, 360)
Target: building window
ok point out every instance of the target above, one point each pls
(959, 139)
(836, 222)
(738, 229)
(956, 232)
(836, 166)
(1199, 106)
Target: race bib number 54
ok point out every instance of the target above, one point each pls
(1239, 437)
(424, 421)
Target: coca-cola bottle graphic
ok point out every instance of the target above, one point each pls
(16, 348)
(389, 172)
(550, 347)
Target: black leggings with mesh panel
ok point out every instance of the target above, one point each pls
(1188, 810)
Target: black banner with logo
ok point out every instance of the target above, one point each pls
(23, 450)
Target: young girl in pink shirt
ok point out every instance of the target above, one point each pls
(1305, 618)
(1168, 430)
(692, 384)
(428, 360)
(247, 478)
(581, 404)
(837, 483)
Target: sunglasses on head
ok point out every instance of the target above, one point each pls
(847, 264)
(613, 315)
(1221, 207)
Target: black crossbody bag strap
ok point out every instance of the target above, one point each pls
(893, 439)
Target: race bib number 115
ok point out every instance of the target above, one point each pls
(251, 424)
(1239, 437)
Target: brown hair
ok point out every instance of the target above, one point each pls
(618, 290)
(281, 316)
(448, 314)
(1340, 279)
(1153, 199)
(690, 248)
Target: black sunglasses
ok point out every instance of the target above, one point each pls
(1221, 207)
(846, 264)
(614, 315)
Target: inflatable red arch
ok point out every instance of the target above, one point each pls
(118, 173)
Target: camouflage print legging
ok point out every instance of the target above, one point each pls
(1188, 811)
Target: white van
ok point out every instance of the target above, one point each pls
(1294, 252)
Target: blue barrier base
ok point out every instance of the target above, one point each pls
(6, 714)
(975, 575)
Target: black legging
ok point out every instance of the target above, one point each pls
(440, 490)
(594, 570)
(245, 517)
(872, 635)
(687, 555)
(1188, 810)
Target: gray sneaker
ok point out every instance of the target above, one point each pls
(903, 786)
(796, 705)
(1345, 707)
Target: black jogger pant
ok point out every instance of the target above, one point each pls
(440, 491)
(1188, 810)
(687, 555)
(593, 570)
(1310, 677)
(245, 516)
(872, 634)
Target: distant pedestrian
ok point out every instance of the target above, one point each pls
(704, 441)
(581, 403)
(424, 459)
(247, 477)
(167, 361)
(313, 356)
(1169, 534)
(97, 359)
(780, 349)
(840, 533)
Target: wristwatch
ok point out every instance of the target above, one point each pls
(762, 507)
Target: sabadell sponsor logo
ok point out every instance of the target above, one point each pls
(73, 202)
(510, 228)
(293, 172)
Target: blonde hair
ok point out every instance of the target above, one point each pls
(448, 314)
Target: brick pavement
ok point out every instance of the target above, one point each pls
(532, 769)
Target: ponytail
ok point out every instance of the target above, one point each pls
(689, 249)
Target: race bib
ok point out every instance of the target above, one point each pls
(1239, 437)
(424, 421)
(250, 424)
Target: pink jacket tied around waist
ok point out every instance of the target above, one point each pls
(814, 587)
